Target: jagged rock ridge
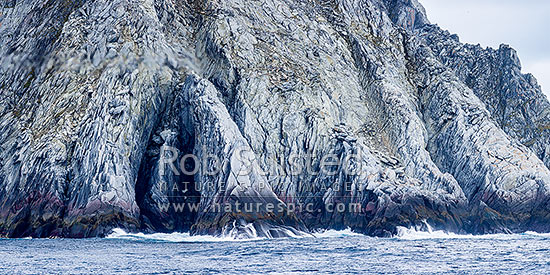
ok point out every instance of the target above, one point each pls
(93, 91)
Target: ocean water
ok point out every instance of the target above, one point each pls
(330, 252)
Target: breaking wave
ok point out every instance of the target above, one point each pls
(413, 234)
(186, 237)
(170, 237)
(404, 233)
(331, 233)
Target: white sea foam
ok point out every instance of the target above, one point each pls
(531, 233)
(171, 237)
(336, 233)
(414, 234)
(403, 233)
(186, 237)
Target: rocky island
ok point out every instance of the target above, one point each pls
(100, 100)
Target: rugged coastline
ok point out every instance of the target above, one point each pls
(93, 92)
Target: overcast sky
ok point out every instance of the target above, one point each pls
(522, 24)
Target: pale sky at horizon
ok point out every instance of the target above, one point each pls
(524, 25)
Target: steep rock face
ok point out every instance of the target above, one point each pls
(504, 175)
(416, 129)
(515, 100)
(77, 115)
(239, 179)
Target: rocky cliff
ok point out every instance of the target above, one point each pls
(419, 128)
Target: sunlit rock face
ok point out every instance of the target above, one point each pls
(418, 127)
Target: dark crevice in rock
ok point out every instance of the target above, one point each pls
(166, 197)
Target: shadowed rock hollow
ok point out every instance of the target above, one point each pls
(92, 92)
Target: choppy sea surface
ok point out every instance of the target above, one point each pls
(330, 252)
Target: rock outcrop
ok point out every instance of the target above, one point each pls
(106, 106)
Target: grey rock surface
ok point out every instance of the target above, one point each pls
(423, 129)
(515, 100)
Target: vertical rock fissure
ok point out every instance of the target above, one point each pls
(167, 197)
